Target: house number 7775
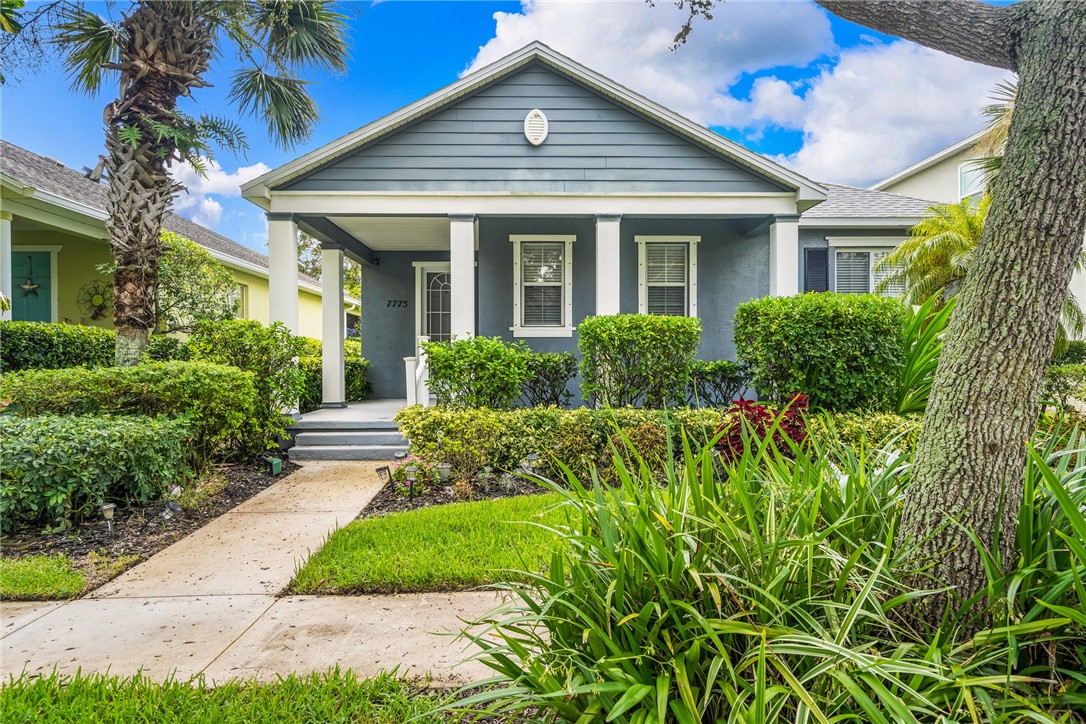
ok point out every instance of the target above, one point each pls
(397, 303)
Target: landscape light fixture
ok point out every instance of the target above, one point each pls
(384, 474)
(107, 513)
(400, 456)
(530, 462)
(412, 473)
(274, 465)
(171, 510)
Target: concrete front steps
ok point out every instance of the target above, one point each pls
(346, 440)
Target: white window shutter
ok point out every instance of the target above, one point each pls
(853, 272)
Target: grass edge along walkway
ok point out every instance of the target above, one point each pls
(450, 547)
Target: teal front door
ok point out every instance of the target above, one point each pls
(31, 287)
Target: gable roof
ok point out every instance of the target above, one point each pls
(808, 191)
(849, 202)
(40, 173)
(928, 162)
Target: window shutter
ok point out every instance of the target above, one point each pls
(816, 270)
(666, 276)
(894, 290)
(542, 272)
(853, 272)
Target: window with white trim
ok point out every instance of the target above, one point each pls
(855, 272)
(971, 179)
(542, 285)
(667, 274)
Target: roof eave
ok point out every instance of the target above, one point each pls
(929, 161)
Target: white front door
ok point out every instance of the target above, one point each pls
(433, 293)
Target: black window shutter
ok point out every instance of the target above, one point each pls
(816, 275)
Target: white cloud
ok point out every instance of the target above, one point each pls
(882, 108)
(630, 42)
(197, 202)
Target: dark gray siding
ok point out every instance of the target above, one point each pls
(817, 238)
(388, 333)
(478, 145)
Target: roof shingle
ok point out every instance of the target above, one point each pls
(851, 202)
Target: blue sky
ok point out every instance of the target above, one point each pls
(833, 100)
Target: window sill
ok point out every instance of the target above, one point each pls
(542, 331)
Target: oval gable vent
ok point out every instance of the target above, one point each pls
(535, 127)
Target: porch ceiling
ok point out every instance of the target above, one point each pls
(407, 233)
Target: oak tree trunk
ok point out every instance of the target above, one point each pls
(167, 49)
(984, 403)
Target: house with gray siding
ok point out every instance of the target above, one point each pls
(535, 192)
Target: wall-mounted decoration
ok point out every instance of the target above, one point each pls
(536, 127)
(96, 299)
(29, 287)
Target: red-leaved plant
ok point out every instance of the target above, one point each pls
(789, 423)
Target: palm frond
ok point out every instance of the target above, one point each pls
(91, 46)
(303, 33)
(999, 113)
(281, 101)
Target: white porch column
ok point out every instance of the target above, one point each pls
(5, 260)
(607, 263)
(333, 384)
(784, 256)
(462, 275)
(283, 270)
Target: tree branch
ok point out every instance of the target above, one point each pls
(965, 28)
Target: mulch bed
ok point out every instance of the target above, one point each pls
(140, 532)
(388, 500)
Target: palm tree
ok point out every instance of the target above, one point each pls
(160, 51)
(936, 257)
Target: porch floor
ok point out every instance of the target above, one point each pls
(365, 411)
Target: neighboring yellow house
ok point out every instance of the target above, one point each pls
(54, 237)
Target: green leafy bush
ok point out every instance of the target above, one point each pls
(844, 351)
(715, 383)
(1075, 354)
(271, 354)
(549, 374)
(357, 384)
(56, 470)
(161, 348)
(41, 345)
(476, 371)
(218, 401)
(636, 359)
(1064, 383)
(766, 590)
(865, 431)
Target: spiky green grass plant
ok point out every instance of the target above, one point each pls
(768, 590)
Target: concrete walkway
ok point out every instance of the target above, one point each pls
(207, 604)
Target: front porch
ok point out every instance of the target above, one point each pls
(358, 431)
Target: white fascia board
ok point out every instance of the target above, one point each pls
(928, 162)
(354, 204)
(863, 241)
(851, 222)
(805, 189)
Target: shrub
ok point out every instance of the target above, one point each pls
(161, 348)
(769, 592)
(864, 431)
(636, 359)
(355, 377)
(1075, 354)
(57, 470)
(844, 351)
(549, 374)
(1064, 383)
(748, 422)
(715, 383)
(219, 401)
(476, 371)
(270, 353)
(40, 345)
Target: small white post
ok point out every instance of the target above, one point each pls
(784, 256)
(283, 270)
(422, 374)
(5, 261)
(410, 371)
(607, 264)
(333, 372)
(462, 275)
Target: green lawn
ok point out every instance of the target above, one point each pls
(441, 548)
(39, 578)
(333, 697)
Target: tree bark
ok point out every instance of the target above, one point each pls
(167, 49)
(984, 402)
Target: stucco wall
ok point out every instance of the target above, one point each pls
(938, 182)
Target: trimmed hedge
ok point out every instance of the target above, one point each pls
(476, 371)
(219, 401)
(636, 359)
(715, 383)
(844, 351)
(355, 371)
(56, 471)
(470, 439)
(40, 345)
(549, 374)
(161, 348)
